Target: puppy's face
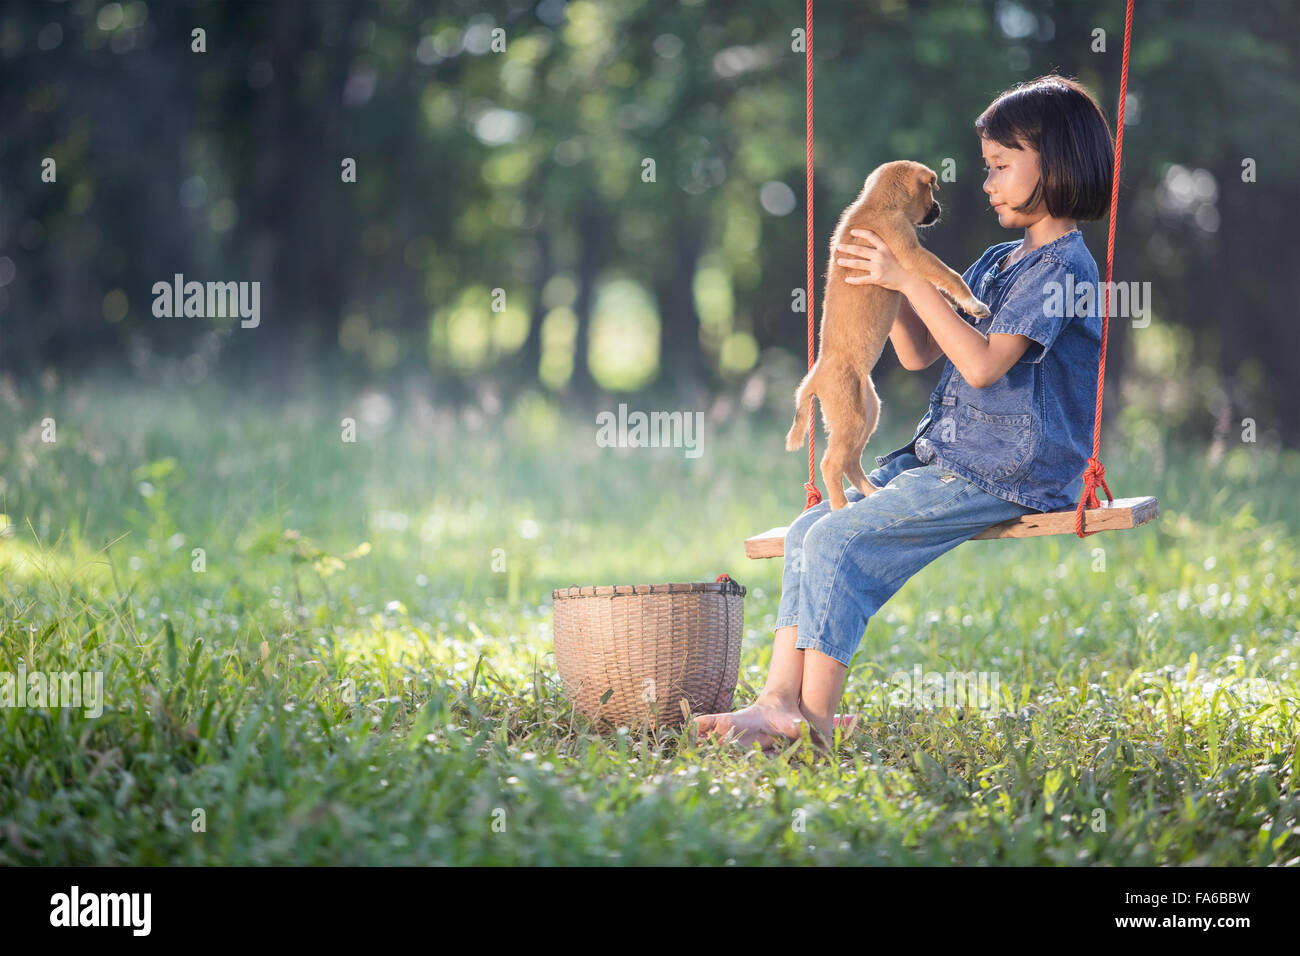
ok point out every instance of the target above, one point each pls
(924, 208)
(905, 187)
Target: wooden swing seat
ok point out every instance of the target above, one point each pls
(1117, 515)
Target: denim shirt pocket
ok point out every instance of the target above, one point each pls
(1000, 447)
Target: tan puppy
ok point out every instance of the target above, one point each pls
(856, 319)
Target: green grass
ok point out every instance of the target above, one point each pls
(351, 681)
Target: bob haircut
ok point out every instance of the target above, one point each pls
(1057, 117)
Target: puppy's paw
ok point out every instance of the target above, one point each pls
(976, 308)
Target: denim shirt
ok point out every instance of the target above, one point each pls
(1025, 438)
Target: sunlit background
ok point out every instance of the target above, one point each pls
(584, 200)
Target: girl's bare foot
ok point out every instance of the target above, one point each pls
(821, 731)
(769, 721)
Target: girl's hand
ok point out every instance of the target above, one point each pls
(874, 261)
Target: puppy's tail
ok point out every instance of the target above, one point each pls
(802, 409)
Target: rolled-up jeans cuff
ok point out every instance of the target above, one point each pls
(809, 644)
(787, 622)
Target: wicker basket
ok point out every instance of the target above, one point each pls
(647, 648)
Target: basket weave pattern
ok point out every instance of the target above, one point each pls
(651, 646)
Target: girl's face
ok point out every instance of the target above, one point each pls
(1012, 176)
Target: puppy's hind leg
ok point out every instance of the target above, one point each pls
(857, 477)
(834, 465)
(870, 418)
(842, 411)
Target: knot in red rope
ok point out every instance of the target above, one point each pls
(814, 496)
(1094, 474)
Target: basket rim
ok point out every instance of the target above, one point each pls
(729, 586)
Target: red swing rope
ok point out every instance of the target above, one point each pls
(813, 495)
(1094, 473)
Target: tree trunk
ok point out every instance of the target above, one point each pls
(592, 228)
(681, 361)
(530, 356)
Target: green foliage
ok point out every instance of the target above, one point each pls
(392, 708)
(487, 176)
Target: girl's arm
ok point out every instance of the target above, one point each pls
(913, 344)
(981, 361)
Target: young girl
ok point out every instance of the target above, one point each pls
(1009, 428)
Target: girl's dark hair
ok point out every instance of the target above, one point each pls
(1058, 118)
